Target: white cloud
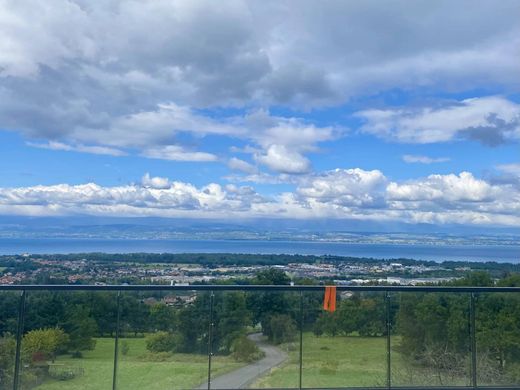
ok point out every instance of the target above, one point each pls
(54, 145)
(177, 153)
(129, 74)
(513, 169)
(157, 197)
(280, 159)
(155, 182)
(460, 188)
(155, 127)
(241, 165)
(490, 120)
(411, 159)
(338, 194)
(345, 187)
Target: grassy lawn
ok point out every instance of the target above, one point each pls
(181, 371)
(349, 361)
(333, 362)
(327, 362)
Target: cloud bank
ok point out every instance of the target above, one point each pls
(340, 194)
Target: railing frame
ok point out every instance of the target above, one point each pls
(387, 290)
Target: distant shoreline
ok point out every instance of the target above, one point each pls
(428, 252)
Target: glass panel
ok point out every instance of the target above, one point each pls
(275, 331)
(497, 320)
(68, 340)
(431, 340)
(165, 335)
(345, 348)
(9, 304)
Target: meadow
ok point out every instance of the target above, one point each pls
(350, 362)
(137, 369)
(327, 362)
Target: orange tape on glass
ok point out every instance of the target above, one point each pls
(329, 302)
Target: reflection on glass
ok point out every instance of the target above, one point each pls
(9, 304)
(498, 339)
(163, 341)
(275, 331)
(347, 347)
(68, 340)
(431, 340)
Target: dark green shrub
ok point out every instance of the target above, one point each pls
(162, 342)
(245, 350)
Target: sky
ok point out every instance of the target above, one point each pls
(393, 111)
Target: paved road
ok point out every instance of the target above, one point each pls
(244, 376)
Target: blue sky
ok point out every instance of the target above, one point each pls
(395, 111)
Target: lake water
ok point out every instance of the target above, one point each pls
(499, 253)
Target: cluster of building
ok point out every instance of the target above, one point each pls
(100, 272)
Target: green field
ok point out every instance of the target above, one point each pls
(332, 362)
(349, 361)
(327, 362)
(136, 371)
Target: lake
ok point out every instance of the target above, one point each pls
(499, 253)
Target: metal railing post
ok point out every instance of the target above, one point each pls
(301, 341)
(19, 333)
(116, 341)
(473, 340)
(388, 342)
(210, 336)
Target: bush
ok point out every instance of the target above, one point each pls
(245, 350)
(42, 344)
(162, 342)
(283, 329)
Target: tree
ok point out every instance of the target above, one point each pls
(283, 329)
(231, 316)
(265, 305)
(162, 317)
(43, 344)
(81, 328)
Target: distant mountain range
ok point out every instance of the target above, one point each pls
(261, 229)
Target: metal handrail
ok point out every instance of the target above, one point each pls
(241, 287)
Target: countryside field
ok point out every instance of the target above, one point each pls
(136, 371)
(327, 362)
(332, 362)
(350, 362)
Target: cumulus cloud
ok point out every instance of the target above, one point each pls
(345, 187)
(490, 120)
(340, 193)
(155, 197)
(281, 159)
(155, 182)
(462, 188)
(411, 159)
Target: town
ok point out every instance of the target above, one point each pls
(219, 268)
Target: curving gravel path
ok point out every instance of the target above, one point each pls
(244, 376)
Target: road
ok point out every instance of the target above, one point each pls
(244, 376)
